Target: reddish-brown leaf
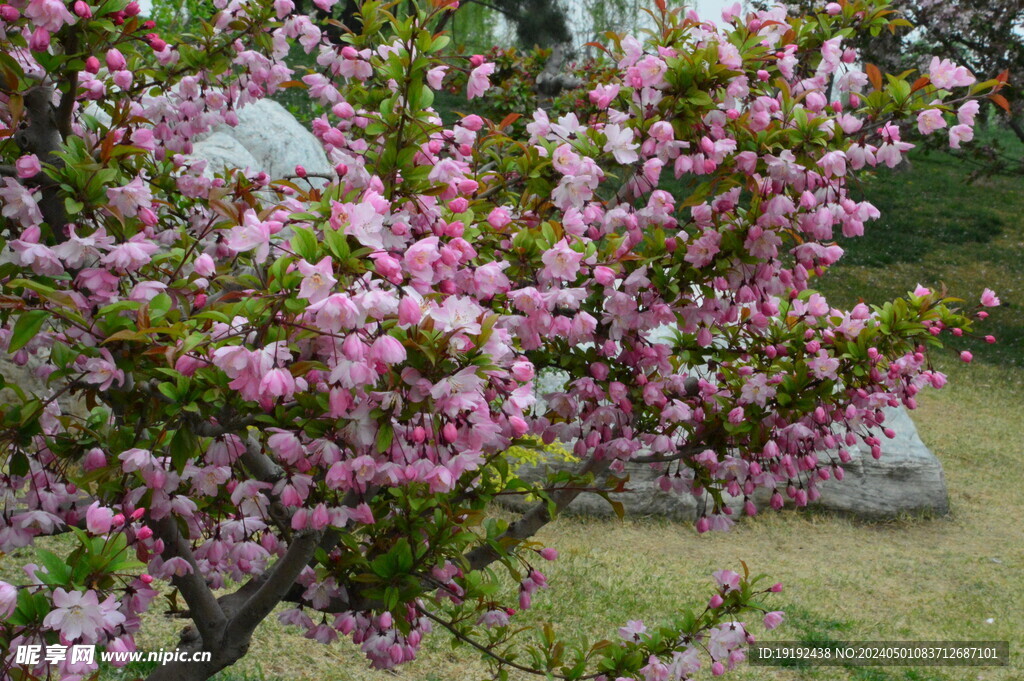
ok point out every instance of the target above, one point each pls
(920, 83)
(874, 75)
(509, 120)
(1000, 102)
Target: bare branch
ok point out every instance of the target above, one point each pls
(536, 518)
(280, 579)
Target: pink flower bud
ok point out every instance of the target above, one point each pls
(144, 533)
(28, 166)
(82, 9)
(409, 311)
(604, 275)
(966, 356)
(40, 40)
(115, 60)
(476, 60)
(519, 426)
(98, 519)
(716, 601)
(9, 14)
(300, 171)
(132, 9)
(548, 553)
(450, 432)
(204, 266)
(146, 578)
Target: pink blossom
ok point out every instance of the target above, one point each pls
(28, 166)
(633, 630)
(50, 15)
(278, 383)
(603, 95)
(967, 111)
(703, 250)
(131, 197)
(252, 234)
(989, 299)
(960, 133)
(561, 261)
(98, 518)
(8, 599)
(945, 74)
(478, 80)
(318, 280)
(387, 349)
(18, 203)
(435, 77)
(773, 619)
(102, 371)
(131, 255)
(115, 60)
(930, 120)
(620, 143)
(727, 579)
(204, 266)
(458, 313)
(81, 615)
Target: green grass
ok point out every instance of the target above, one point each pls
(938, 228)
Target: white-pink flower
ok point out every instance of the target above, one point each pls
(131, 197)
(318, 280)
(102, 371)
(945, 74)
(49, 14)
(478, 80)
(989, 299)
(960, 133)
(252, 235)
(620, 143)
(561, 261)
(930, 120)
(80, 615)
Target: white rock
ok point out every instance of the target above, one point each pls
(220, 150)
(277, 141)
(907, 479)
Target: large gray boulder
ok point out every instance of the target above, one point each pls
(274, 140)
(221, 151)
(907, 479)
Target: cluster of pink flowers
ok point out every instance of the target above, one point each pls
(270, 361)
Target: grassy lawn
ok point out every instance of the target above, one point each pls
(958, 577)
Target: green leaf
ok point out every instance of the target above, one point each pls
(58, 572)
(304, 243)
(385, 435)
(26, 328)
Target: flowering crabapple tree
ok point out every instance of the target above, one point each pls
(266, 390)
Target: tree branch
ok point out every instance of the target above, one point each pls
(534, 519)
(206, 612)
